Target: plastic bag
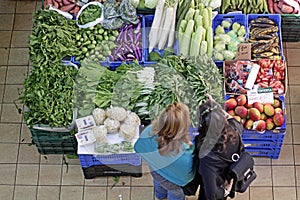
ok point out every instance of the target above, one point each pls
(92, 23)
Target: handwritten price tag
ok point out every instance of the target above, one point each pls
(244, 51)
(262, 95)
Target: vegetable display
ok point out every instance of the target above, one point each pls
(48, 95)
(247, 7)
(173, 78)
(162, 32)
(226, 43)
(68, 6)
(195, 30)
(52, 38)
(95, 43)
(90, 14)
(128, 44)
(264, 38)
(117, 130)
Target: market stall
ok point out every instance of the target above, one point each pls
(103, 70)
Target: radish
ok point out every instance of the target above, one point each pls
(156, 24)
(165, 30)
(171, 37)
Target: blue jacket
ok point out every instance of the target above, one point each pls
(178, 169)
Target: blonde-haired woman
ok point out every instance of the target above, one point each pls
(166, 147)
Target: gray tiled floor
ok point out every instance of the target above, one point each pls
(27, 175)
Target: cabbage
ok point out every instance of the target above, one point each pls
(151, 3)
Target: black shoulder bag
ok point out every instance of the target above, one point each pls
(241, 169)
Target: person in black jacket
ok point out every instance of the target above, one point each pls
(218, 140)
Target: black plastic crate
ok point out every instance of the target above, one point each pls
(48, 142)
(290, 27)
(112, 170)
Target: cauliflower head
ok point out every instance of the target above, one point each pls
(99, 116)
(132, 119)
(100, 134)
(116, 113)
(112, 125)
(128, 132)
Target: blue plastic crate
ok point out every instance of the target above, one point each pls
(239, 18)
(267, 152)
(262, 144)
(88, 160)
(276, 18)
(148, 19)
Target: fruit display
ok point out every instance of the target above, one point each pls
(264, 38)
(272, 73)
(257, 116)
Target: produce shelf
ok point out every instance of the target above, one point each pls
(290, 27)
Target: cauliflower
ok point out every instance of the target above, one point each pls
(112, 125)
(116, 113)
(100, 134)
(128, 132)
(151, 3)
(132, 119)
(99, 116)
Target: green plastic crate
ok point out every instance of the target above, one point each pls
(290, 27)
(48, 142)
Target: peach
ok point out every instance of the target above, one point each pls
(248, 124)
(259, 106)
(278, 110)
(241, 111)
(231, 112)
(254, 114)
(269, 124)
(241, 100)
(238, 118)
(269, 110)
(247, 105)
(260, 126)
(230, 104)
(263, 116)
(276, 103)
(243, 120)
(278, 119)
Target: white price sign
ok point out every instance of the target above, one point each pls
(262, 95)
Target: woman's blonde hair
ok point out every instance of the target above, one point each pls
(172, 127)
